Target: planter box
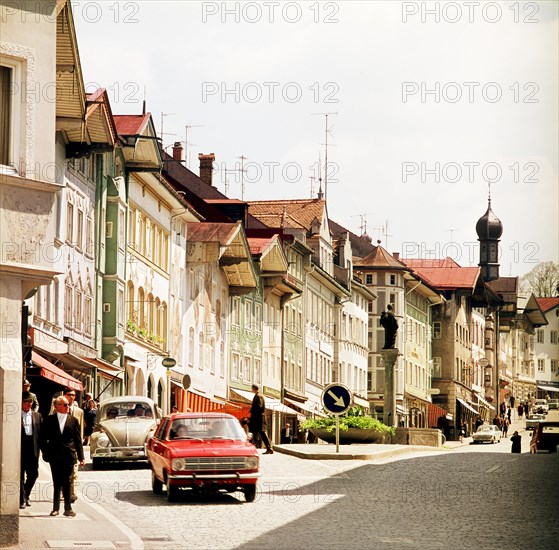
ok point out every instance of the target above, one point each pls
(431, 437)
(353, 435)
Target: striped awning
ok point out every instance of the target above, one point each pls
(54, 373)
(434, 412)
(483, 402)
(465, 405)
(202, 403)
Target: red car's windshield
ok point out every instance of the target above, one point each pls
(206, 428)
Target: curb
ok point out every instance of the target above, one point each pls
(357, 456)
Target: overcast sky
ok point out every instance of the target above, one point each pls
(430, 103)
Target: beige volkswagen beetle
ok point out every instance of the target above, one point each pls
(122, 427)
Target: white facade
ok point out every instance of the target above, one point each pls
(354, 350)
(547, 354)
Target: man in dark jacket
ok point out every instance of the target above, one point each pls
(257, 422)
(31, 424)
(62, 447)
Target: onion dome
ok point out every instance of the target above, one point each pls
(489, 226)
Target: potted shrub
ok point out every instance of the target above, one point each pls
(355, 427)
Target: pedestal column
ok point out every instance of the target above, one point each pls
(389, 357)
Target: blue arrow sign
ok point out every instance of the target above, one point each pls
(336, 398)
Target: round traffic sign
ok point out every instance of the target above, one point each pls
(168, 362)
(336, 398)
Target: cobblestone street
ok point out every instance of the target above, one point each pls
(480, 496)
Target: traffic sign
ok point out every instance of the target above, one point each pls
(168, 362)
(336, 398)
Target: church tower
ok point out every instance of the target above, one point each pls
(489, 230)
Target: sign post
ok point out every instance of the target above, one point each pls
(336, 399)
(168, 363)
(186, 381)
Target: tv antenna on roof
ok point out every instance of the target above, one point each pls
(243, 171)
(326, 132)
(363, 222)
(163, 115)
(383, 230)
(187, 143)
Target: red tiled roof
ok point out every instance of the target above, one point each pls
(259, 244)
(381, 259)
(131, 125)
(424, 263)
(547, 303)
(505, 285)
(444, 273)
(210, 232)
(296, 213)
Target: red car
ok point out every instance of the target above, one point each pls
(202, 452)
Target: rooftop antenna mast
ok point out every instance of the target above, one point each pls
(187, 143)
(326, 132)
(320, 193)
(312, 178)
(363, 222)
(386, 234)
(243, 171)
(163, 115)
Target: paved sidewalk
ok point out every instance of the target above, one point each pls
(318, 451)
(93, 527)
(516, 425)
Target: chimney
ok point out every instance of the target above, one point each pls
(396, 255)
(206, 167)
(177, 151)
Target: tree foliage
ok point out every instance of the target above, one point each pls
(543, 280)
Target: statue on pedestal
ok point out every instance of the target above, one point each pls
(390, 325)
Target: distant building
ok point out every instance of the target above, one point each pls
(547, 350)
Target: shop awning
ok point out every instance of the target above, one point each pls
(434, 412)
(548, 388)
(54, 373)
(483, 402)
(361, 402)
(202, 403)
(465, 405)
(112, 371)
(271, 403)
(308, 406)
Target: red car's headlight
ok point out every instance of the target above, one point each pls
(251, 462)
(178, 464)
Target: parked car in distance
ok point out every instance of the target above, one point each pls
(122, 427)
(548, 435)
(532, 420)
(202, 452)
(553, 404)
(540, 406)
(487, 433)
